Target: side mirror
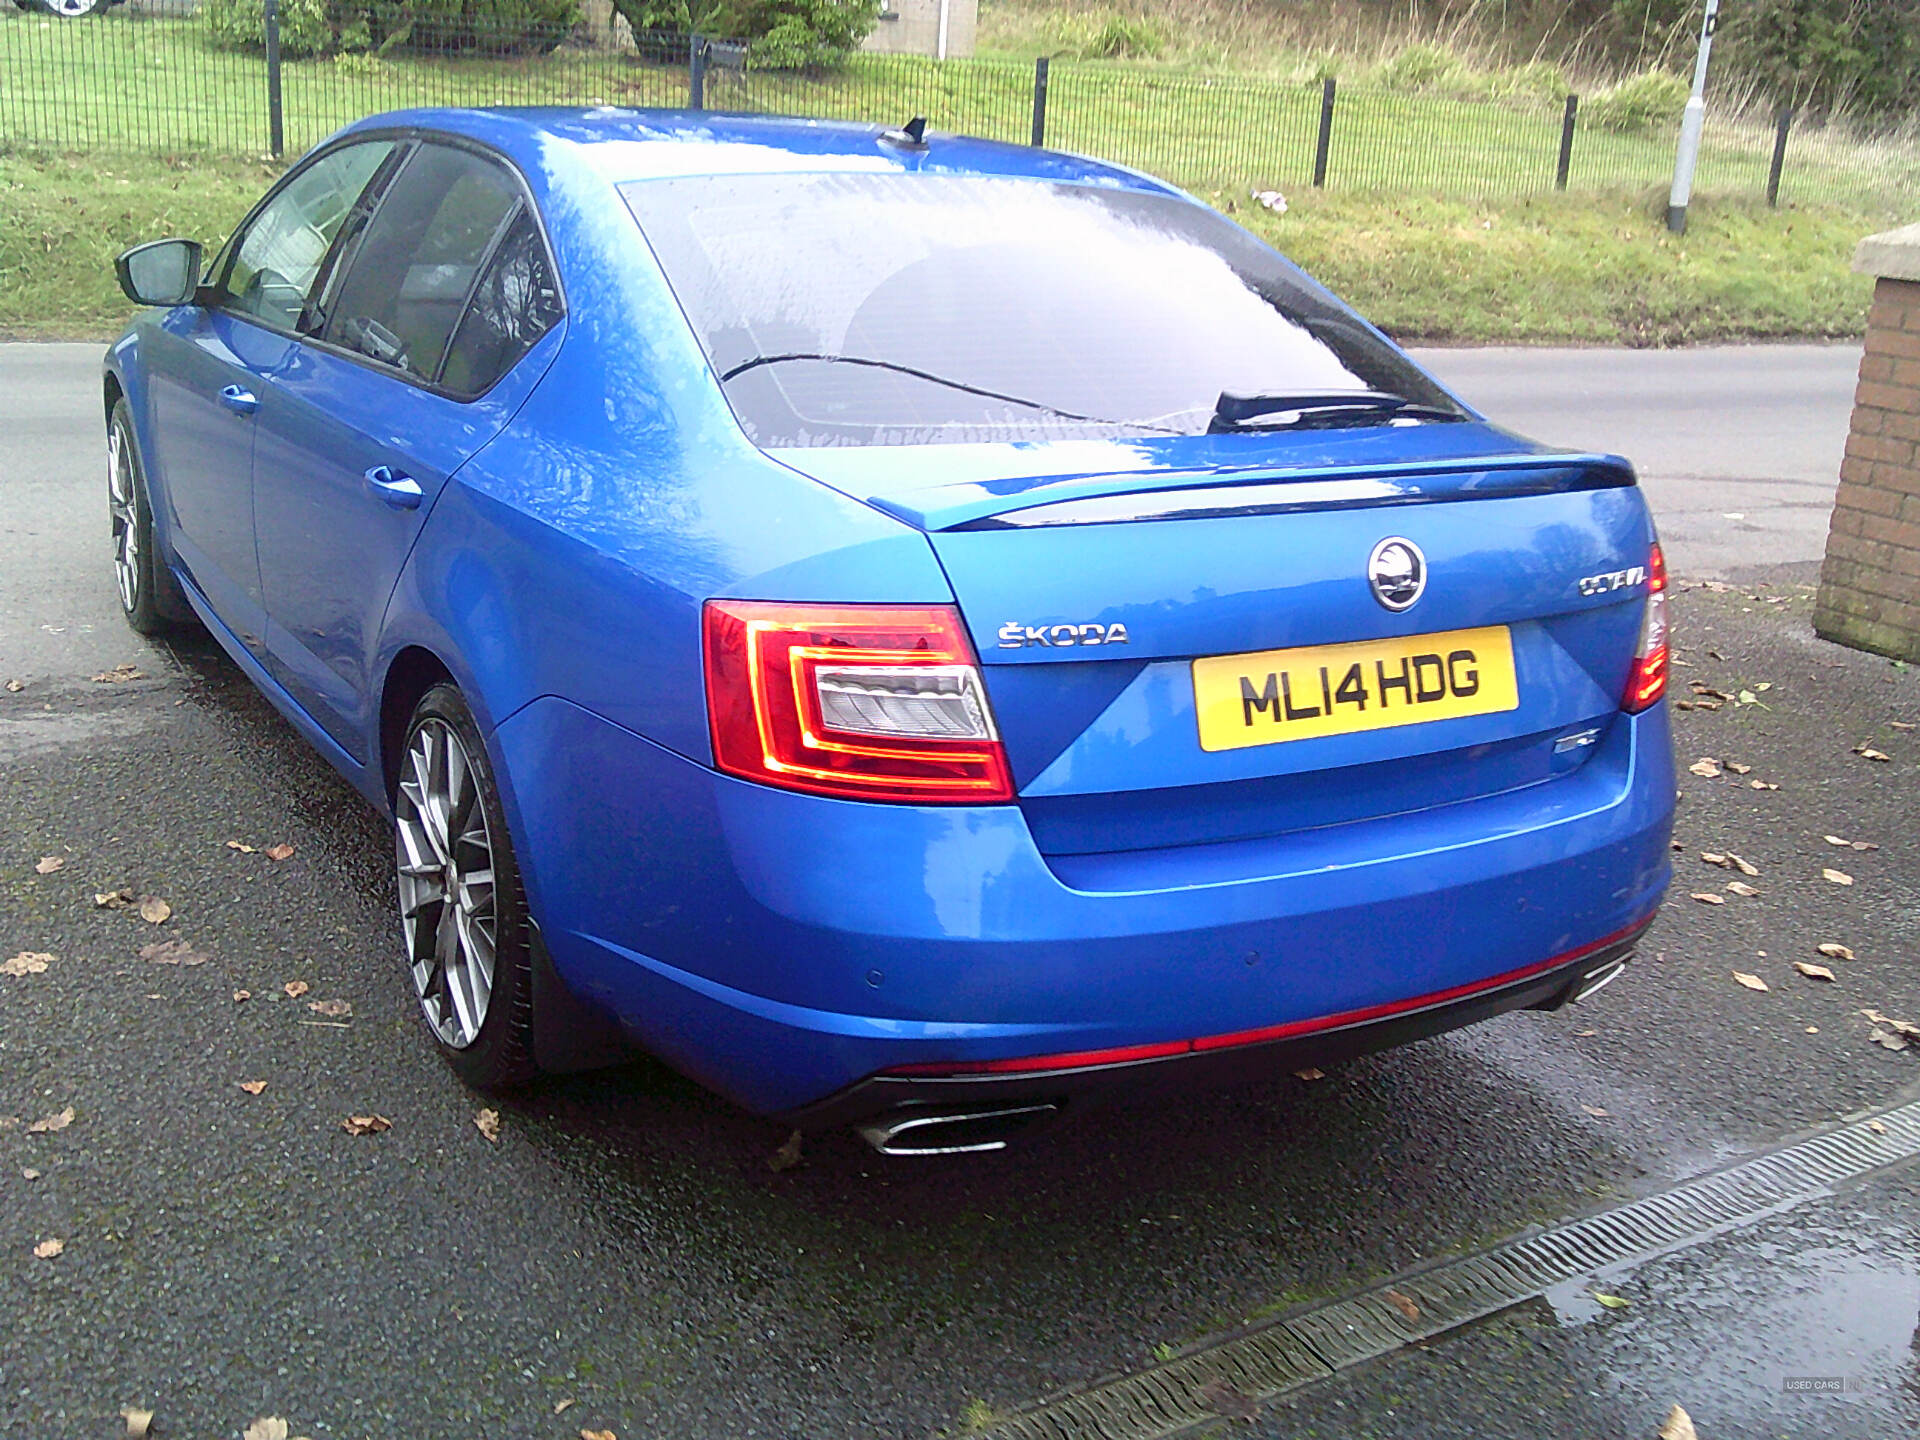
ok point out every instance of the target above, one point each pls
(161, 272)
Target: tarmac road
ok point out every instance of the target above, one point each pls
(625, 1246)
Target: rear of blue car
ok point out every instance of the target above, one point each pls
(1273, 707)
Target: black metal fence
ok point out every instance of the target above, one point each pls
(160, 76)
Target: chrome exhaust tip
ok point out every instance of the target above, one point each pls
(960, 1132)
(1598, 980)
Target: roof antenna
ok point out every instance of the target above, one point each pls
(910, 136)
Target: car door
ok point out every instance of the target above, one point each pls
(209, 368)
(413, 368)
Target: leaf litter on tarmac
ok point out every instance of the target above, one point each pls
(27, 962)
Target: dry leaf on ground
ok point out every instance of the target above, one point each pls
(563, 1406)
(253, 1087)
(278, 852)
(1612, 1302)
(1867, 752)
(1889, 1039)
(1904, 1027)
(1677, 1426)
(598, 1435)
(1752, 982)
(788, 1155)
(154, 910)
(1745, 867)
(1762, 785)
(487, 1122)
(52, 1124)
(1405, 1304)
(29, 1173)
(1705, 898)
(241, 846)
(240, 997)
(14, 687)
(112, 899)
(173, 952)
(27, 962)
(365, 1124)
(1312, 1072)
(335, 1009)
(1851, 844)
(1595, 1111)
(1834, 951)
(1878, 1127)
(47, 1249)
(119, 674)
(1742, 889)
(1706, 767)
(139, 1422)
(267, 1427)
(296, 988)
(1734, 765)
(1838, 877)
(1713, 857)
(47, 864)
(1813, 972)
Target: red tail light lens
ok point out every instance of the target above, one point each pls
(1648, 681)
(867, 702)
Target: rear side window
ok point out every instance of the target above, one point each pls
(515, 303)
(861, 309)
(414, 266)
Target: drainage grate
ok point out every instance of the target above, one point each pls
(1286, 1354)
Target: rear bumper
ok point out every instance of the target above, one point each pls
(787, 949)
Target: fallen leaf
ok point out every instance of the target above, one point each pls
(1752, 982)
(1904, 1027)
(487, 1122)
(119, 674)
(1838, 877)
(1595, 1111)
(788, 1155)
(1221, 1398)
(240, 997)
(139, 1422)
(1405, 1304)
(1742, 889)
(563, 1406)
(1833, 951)
(1745, 867)
(1708, 899)
(14, 687)
(1706, 767)
(278, 852)
(1867, 752)
(253, 1087)
(365, 1124)
(267, 1427)
(29, 1173)
(1715, 858)
(241, 846)
(1877, 1127)
(27, 962)
(1735, 766)
(173, 952)
(52, 1124)
(1586, 1032)
(113, 899)
(1612, 1302)
(1889, 1039)
(1310, 1073)
(1677, 1426)
(598, 1435)
(154, 910)
(296, 988)
(335, 1009)
(1813, 972)
(1897, 724)
(47, 864)
(1762, 785)
(1747, 697)
(1836, 840)
(47, 1249)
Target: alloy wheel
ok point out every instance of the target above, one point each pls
(124, 505)
(72, 9)
(444, 857)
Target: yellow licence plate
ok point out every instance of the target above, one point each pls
(1275, 695)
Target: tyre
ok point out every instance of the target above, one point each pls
(75, 9)
(461, 906)
(150, 597)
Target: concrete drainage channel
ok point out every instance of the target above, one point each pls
(1300, 1349)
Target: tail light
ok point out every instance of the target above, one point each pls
(1648, 681)
(867, 702)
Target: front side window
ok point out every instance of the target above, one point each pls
(412, 269)
(862, 309)
(278, 256)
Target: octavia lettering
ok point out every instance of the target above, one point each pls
(1281, 695)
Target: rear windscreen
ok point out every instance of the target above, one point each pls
(916, 309)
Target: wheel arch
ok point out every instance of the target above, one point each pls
(413, 671)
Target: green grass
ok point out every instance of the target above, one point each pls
(1589, 269)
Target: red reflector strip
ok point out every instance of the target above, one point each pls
(1160, 1050)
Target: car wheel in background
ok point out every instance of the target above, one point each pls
(150, 597)
(74, 9)
(461, 905)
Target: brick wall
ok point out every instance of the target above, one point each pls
(1870, 585)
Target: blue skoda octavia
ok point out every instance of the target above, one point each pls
(915, 632)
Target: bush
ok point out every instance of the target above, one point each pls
(1638, 106)
(1421, 67)
(786, 34)
(305, 26)
(315, 27)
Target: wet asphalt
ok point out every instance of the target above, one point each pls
(625, 1245)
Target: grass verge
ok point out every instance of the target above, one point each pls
(1590, 269)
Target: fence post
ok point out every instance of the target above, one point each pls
(696, 74)
(1040, 100)
(1781, 125)
(1566, 143)
(276, 123)
(1326, 134)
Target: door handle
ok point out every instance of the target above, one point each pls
(400, 491)
(241, 402)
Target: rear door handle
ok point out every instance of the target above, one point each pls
(400, 491)
(238, 400)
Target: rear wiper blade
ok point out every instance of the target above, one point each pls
(1284, 411)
